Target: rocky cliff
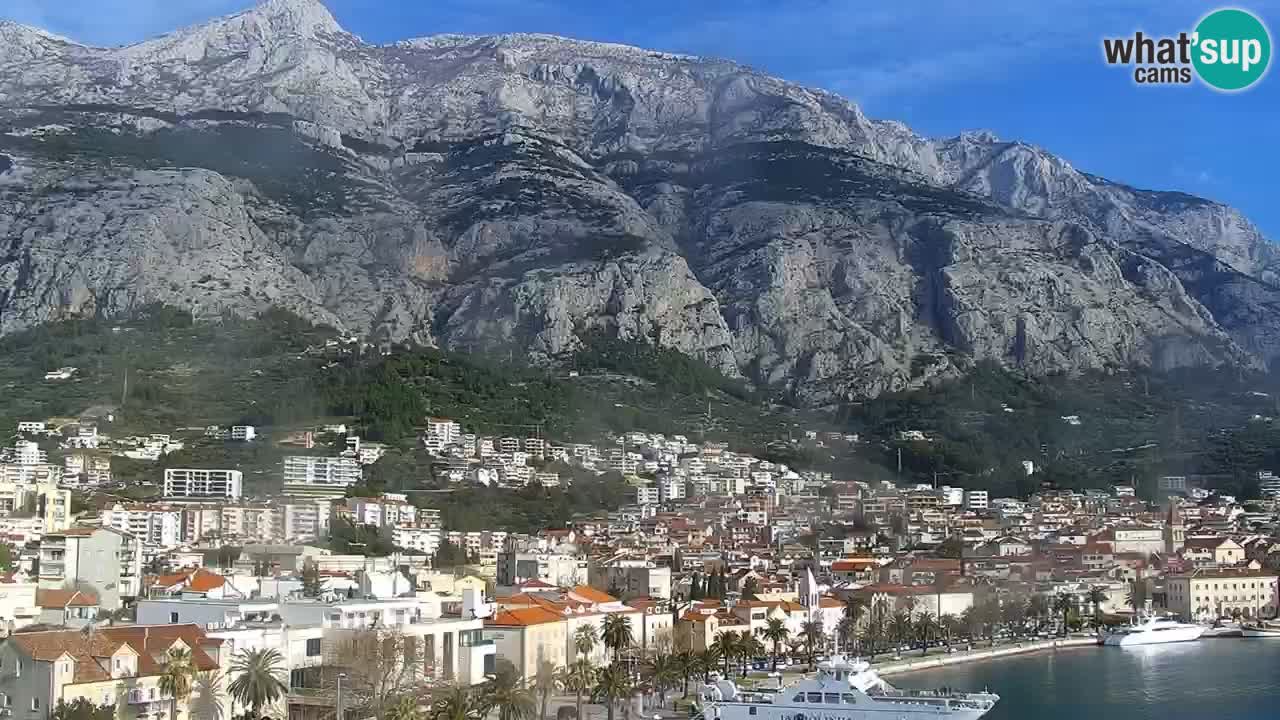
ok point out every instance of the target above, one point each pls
(513, 192)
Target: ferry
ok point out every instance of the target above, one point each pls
(1153, 631)
(842, 689)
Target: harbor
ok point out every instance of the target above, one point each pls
(1169, 682)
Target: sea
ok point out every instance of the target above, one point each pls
(1218, 679)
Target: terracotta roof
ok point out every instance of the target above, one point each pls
(92, 651)
(522, 617)
(590, 594)
(65, 598)
(204, 581)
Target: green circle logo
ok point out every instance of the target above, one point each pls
(1232, 49)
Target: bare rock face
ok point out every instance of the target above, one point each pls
(514, 193)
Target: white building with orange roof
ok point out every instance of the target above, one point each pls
(116, 666)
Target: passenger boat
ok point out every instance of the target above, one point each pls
(842, 689)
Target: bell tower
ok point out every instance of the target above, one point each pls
(1175, 533)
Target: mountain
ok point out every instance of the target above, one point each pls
(512, 193)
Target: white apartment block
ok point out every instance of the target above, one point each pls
(203, 483)
(445, 430)
(423, 540)
(381, 511)
(647, 495)
(26, 452)
(32, 427)
(311, 473)
(155, 525)
(86, 469)
(243, 433)
(42, 473)
(670, 489)
(976, 499)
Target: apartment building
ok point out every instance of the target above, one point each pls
(104, 560)
(114, 666)
(24, 474)
(159, 526)
(1209, 594)
(203, 484)
(315, 475)
(86, 469)
(45, 501)
(448, 647)
(388, 510)
(515, 568)
(445, 430)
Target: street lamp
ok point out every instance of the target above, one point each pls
(341, 676)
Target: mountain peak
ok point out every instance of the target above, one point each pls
(306, 17)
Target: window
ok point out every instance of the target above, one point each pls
(849, 698)
(815, 697)
(35, 703)
(313, 647)
(798, 698)
(751, 710)
(173, 617)
(831, 698)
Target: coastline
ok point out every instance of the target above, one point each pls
(969, 656)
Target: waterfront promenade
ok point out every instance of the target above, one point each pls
(924, 662)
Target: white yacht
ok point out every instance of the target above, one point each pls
(1154, 631)
(1260, 630)
(841, 690)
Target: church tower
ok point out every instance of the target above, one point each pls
(1175, 533)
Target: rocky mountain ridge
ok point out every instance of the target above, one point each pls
(512, 192)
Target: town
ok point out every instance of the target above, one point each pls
(205, 593)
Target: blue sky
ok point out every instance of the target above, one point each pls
(1026, 69)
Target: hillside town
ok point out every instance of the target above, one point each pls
(168, 605)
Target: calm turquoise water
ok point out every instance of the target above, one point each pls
(1223, 679)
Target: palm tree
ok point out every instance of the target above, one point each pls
(616, 634)
(207, 703)
(1038, 608)
(1064, 603)
(454, 702)
(1096, 596)
(749, 647)
(775, 633)
(662, 671)
(585, 639)
(845, 630)
(579, 678)
(507, 694)
(811, 631)
(686, 667)
(926, 627)
(176, 678)
(706, 662)
(613, 684)
(900, 627)
(951, 626)
(726, 648)
(257, 680)
(545, 682)
(1137, 595)
(874, 634)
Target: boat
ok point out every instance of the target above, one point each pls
(842, 689)
(1260, 630)
(1223, 629)
(1153, 631)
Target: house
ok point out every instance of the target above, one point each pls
(1206, 551)
(104, 560)
(18, 607)
(72, 608)
(117, 666)
(201, 583)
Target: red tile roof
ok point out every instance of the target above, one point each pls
(65, 598)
